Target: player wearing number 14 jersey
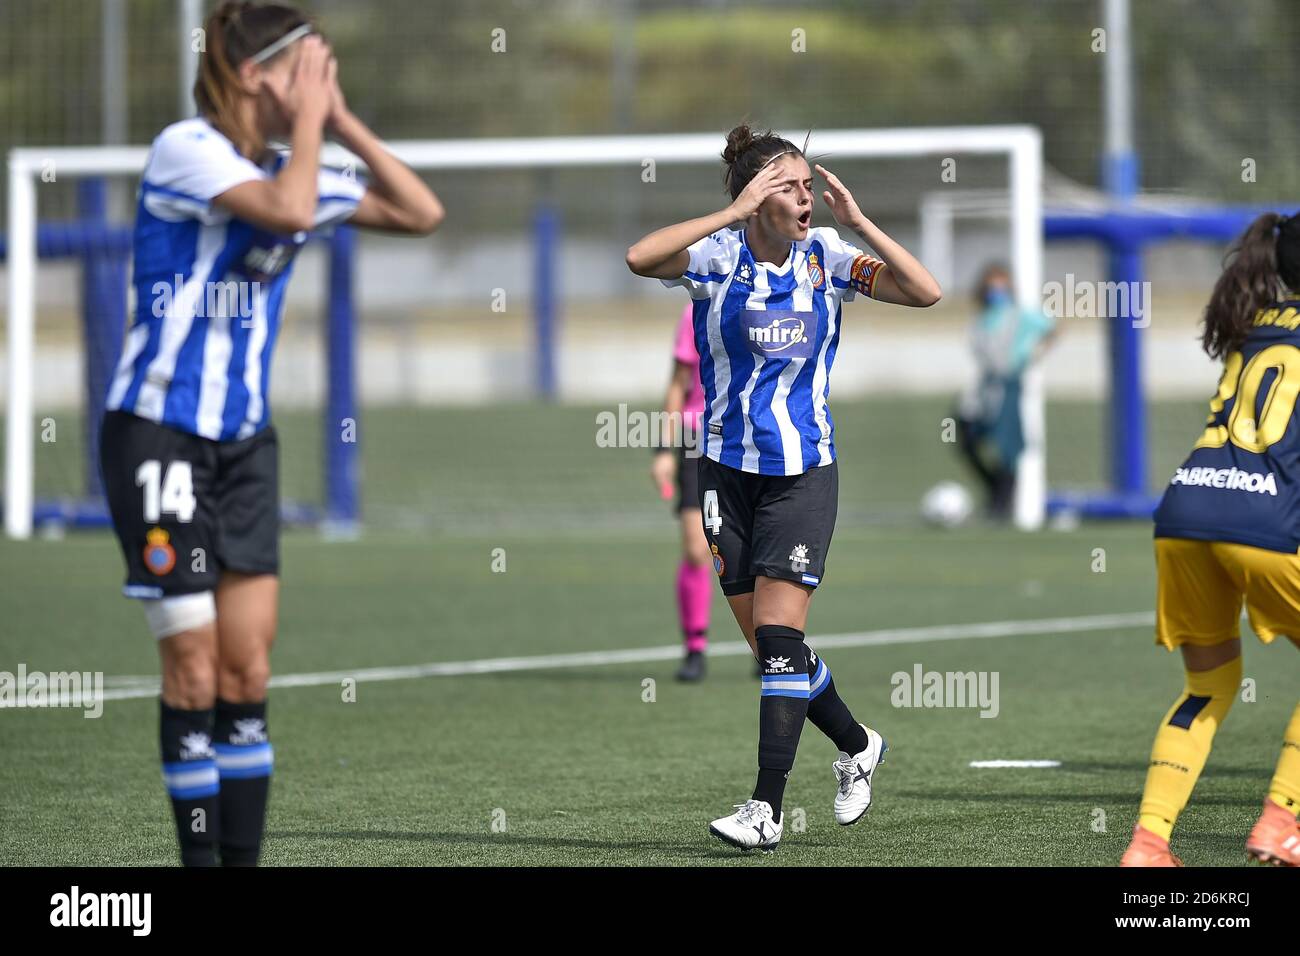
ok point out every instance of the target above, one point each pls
(187, 451)
(1227, 532)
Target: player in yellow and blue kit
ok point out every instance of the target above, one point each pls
(1228, 531)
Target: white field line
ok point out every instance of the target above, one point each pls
(1005, 764)
(131, 687)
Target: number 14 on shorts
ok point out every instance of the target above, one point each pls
(171, 492)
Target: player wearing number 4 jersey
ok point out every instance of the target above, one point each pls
(188, 454)
(766, 290)
(1227, 532)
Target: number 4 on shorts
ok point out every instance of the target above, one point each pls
(712, 517)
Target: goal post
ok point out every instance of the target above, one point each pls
(1019, 145)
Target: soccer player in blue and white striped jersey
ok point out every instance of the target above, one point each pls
(767, 289)
(188, 454)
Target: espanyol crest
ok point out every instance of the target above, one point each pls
(815, 275)
(159, 555)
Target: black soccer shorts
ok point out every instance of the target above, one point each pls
(778, 526)
(187, 508)
(688, 480)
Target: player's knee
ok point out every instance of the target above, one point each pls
(189, 676)
(244, 681)
(781, 651)
(1209, 694)
(1199, 658)
(193, 685)
(185, 626)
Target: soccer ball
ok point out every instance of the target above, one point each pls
(947, 505)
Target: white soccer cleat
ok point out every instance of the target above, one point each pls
(854, 774)
(750, 827)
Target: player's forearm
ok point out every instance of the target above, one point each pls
(913, 279)
(295, 193)
(389, 176)
(657, 250)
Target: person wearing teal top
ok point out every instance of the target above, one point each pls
(1005, 339)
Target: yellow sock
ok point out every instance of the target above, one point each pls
(1183, 744)
(1285, 788)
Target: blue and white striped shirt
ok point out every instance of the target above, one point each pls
(767, 337)
(209, 289)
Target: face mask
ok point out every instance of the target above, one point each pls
(997, 296)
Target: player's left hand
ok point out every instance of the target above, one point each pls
(338, 105)
(843, 206)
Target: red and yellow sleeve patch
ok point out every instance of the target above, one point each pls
(863, 274)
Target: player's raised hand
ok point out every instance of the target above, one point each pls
(307, 92)
(843, 206)
(338, 104)
(766, 181)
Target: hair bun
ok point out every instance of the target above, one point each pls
(738, 140)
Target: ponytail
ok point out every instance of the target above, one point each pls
(236, 30)
(747, 152)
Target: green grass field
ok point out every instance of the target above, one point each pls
(572, 765)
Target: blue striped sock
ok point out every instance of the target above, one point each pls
(244, 759)
(189, 770)
(828, 712)
(783, 705)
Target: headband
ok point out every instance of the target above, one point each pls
(290, 37)
(774, 159)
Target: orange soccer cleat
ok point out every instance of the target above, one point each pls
(1276, 837)
(1147, 849)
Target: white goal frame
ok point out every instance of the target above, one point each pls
(1021, 145)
